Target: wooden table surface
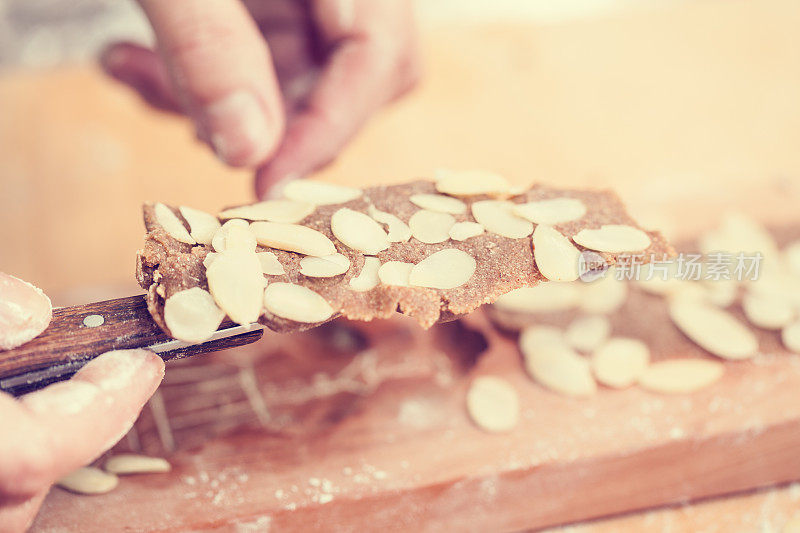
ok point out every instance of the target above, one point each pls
(687, 110)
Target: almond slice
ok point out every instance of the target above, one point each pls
(88, 480)
(604, 295)
(471, 183)
(620, 362)
(445, 269)
(395, 273)
(712, 328)
(368, 277)
(292, 238)
(286, 211)
(768, 311)
(542, 298)
(295, 302)
(439, 203)
(172, 224)
(493, 404)
(497, 216)
(588, 333)
(209, 258)
(614, 238)
(192, 315)
(324, 267)
(239, 237)
(131, 463)
(202, 225)
(431, 227)
(680, 376)
(220, 239)
(319, 193)
(739, 233)
(236, 282)
(358, 231)
(270, 264)
(398, 230)
(790, 336)
(461, 231)
(791, 255)
(554, 364)
(556, 257)
(552, 211)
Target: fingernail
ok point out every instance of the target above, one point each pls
(239, 130)
(25, 311)
(67, 398)
(117, 370)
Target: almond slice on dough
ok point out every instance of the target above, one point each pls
(324, 267)
(431, 227)
(359, 231)
(286, 211)
(202, 225)
(240, 237)
(88, 480)
(620, 362)
(768, 311)
(712, 328)
(445, 269)
(471, 183)
(604, 295)
(461, 231)
(439, 203)
(236, 282)
(588, 333)
(556, 257)
(368, 277)
(192, 315)
(552, 211)
(319, 193)
(295, 302)
(132, 463)
(395, 273)
(554, 364)
(614, 238)
(497, 216)
(790, 336)
(270, 264)
(681, 376)
(172, 224)
(220, 239)
(292, 238)
(398, 230)
(493, 404)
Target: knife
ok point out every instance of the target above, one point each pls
(78, 334)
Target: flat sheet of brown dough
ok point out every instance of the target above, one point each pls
(166, 266)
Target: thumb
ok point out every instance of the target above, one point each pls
(222, 72)
(25, 311)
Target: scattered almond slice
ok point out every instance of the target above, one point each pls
(790, 336)
(721, 293)
(552, 211)
(660, 278)
(556, 257)
(493, 404)
(471, 183)
(236, 282)
(497, 216)
(791, 255)
(588, 333)
(368, 277)
(295, 302)
(202, 225)
(461, 231)
(209, 258)
(131, 463)
(358, 231)
(324, 267)
(604, 295)
(398, 230)
(542, 298)
(739, 233)
(286, 211)
(767, 311)
(172, 224)
(293, 238)
(240, 238)
(431, 227)
(270, 264)
(445, 269)
(713, 329)
(395, 273)
(88, 480)
(554, 364)
(319, 193)
(681, 376)
(615, 238)
(220, 239)
(620, 362)
(439, 203)
(192, 315)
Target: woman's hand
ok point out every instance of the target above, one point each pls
(280, 84)
(51, 432)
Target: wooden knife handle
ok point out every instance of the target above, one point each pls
(68, 343)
